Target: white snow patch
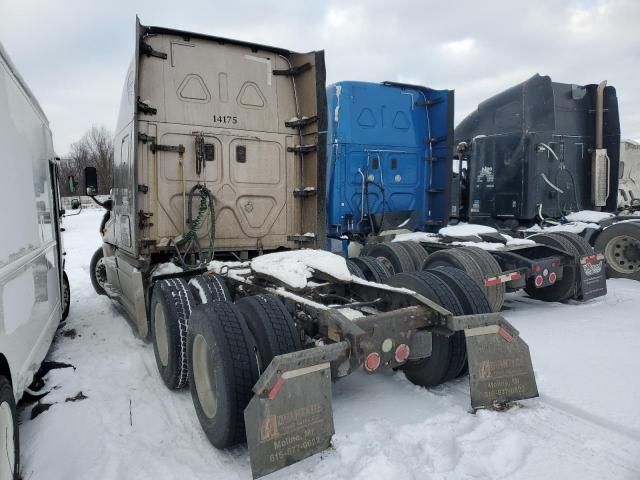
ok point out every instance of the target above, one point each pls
(296, 267)
(482, 245)
(165, 269)
(466, 230)
(571, 227)
(589, 216)
(511, 241)
(417, 237)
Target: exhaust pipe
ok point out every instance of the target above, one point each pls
(600, 167)
(600, 113)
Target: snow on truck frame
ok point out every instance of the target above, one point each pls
(34, 290)
(220, 145)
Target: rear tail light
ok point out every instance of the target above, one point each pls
(372, 362)
(402, 353)
(553, 277)
(537, 268)
(539, 281)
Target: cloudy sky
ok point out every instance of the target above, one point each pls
(74, 53)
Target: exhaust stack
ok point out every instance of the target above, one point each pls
(600, 164)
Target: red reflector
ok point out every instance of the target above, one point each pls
(553, 264)
(490, 282)
(553, 277)
(504, 334)
(276, 388)
(372, 362)
(402, 353)
(539, 281)
(537, 268)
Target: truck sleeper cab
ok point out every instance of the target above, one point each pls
(389, 151)
(218, 133)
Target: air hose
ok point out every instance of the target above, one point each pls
(206, 209)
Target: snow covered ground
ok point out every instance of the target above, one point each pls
(585, 425)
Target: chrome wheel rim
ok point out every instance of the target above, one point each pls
(204, 377)
(623, 254)
(7, 446)
(101, 273)
(162, 343)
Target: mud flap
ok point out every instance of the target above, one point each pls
(290, 417)
(500, 369)
(593, 277)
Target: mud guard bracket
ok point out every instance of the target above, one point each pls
(500, 369)
(290, 417)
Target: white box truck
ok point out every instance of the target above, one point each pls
(34, 290)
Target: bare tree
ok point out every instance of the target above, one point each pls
(94, 149)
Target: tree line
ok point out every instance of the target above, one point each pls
(94, 149)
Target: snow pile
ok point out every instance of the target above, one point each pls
(482, 245)
(165, 269)
(417, 237)
(296, 267)
(588, 216)
(466, 230)
(571, 227)
(511, 241)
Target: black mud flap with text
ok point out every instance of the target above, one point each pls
(500, 369)
(593, 277)
(290, 417)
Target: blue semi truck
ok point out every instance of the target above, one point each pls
(389, 153)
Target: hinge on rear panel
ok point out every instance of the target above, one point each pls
(303, 148)
(150, 52)
(305, 192)
(143, 188)
(301, 122)
(144, 138)
(293, 71)
(167, 148)
(145, 108)
(301, 238)
(144, 219)
(428, 103)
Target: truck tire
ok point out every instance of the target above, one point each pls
(416, 252)
(271, 326)
(490, 268)
(620, 244)
(209, 288)
(66, 297)
(222, 371)
(563, 289)
(583, 247)
(355, 270)
(373, 270)
(474, 264)
(98, 272)
(472, 296)
(397, 257)
(448, 354)
(9, 435)
(169, 312)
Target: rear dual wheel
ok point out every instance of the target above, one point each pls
(228, 347)
(457, 292)
(477, 263)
